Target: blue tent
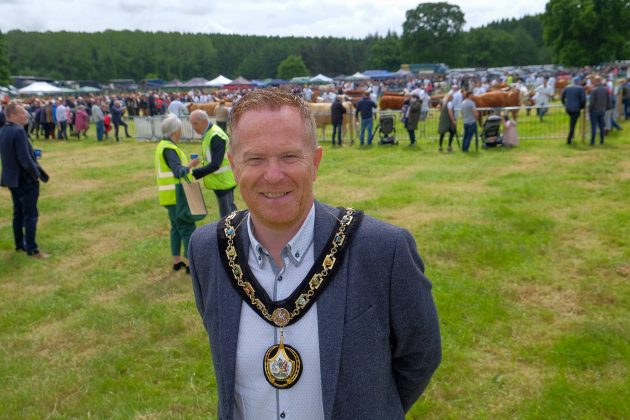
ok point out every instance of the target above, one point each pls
(378, 74)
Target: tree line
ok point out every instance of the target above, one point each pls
(574, 33)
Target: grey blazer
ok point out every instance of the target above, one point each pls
(378, 328)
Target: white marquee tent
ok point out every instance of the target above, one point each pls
(320, 78)
(40, 87)
(218, 81)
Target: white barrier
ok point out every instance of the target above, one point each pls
(150, 128)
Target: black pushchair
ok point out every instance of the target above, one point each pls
(386, 130)
(491, 132)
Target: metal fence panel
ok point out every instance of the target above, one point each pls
(553, 125)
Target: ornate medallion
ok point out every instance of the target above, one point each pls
(282, 365)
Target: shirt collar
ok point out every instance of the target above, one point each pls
(295, 249)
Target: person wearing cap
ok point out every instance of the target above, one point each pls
(171, 164)
(21, 173)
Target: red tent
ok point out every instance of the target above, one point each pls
(240, 83)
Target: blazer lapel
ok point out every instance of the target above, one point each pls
(229, 323)
(330, 311)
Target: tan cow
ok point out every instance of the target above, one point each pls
(499, 99)
(208, 107)
(323, 117)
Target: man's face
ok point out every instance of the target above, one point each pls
(275, 166)
(198, 125)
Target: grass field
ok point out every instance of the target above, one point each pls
(528, 250)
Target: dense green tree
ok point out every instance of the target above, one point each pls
(431, 33)
(4, 61)
(385, 53)
(292, 66)
(587, 31)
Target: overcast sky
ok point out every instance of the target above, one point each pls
(339, 18)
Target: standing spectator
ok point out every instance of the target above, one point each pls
(21, 174)
(221, 115)
(447, 122)
(574, 100)
(611, 123)
(470, 117)
(99, 121)
(458, 98)
(171, 165)
(80, 122)
(152, 105)
(36, 110)
(177, 108)
(366, 107)
(599, 102)
(215, 170)
(413, 117)
(337, 110)
(625, 95)
(543, 96)
(60, 114)
(117, 118)
(107, 121)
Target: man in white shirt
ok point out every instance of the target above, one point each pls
(62, 121)
(177, 108)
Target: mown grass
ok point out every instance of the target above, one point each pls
(528, 250)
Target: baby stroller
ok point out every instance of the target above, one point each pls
(491, 132)
(386, 130)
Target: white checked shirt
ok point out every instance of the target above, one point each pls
(254, 397)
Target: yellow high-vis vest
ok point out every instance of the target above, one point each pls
(222, 178)
(164, 176)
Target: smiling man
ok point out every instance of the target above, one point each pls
(312, 311)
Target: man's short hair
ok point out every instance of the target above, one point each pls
(199, 114)
(11, 109)
(272, 99)
(170, 125)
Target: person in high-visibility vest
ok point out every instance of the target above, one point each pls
(171, 164)
(215, 170)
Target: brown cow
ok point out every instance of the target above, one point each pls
(499, 99)
(391, 102)
(323, 117)
(395, 102)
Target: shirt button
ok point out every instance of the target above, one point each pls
(279, 278)
(297, 255)
(282, 415)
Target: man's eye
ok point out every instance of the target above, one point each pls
(254, 160)
(290, 158)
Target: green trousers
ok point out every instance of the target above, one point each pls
(180, 233)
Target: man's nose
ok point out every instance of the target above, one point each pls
(274, 171)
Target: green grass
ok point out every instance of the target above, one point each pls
(528, 250)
